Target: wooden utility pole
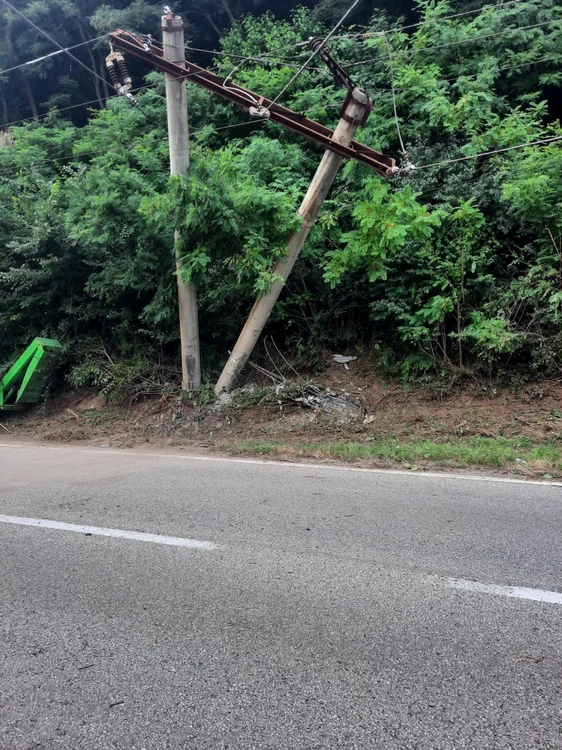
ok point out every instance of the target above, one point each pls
(178, 138)
(358, 105)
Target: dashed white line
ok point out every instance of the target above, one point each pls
(515, 592)
(137, 536)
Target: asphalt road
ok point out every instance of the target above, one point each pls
(328, 609)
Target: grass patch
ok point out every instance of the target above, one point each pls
(519, 454)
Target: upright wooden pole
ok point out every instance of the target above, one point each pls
(354, 113)
(178, 138)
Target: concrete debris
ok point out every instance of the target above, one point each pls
(223, 399)
(339, 407)
(327, 403)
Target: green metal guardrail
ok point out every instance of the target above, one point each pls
(25, 380)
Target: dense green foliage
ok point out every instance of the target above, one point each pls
(453, 267)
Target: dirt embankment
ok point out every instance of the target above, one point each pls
(378, 410)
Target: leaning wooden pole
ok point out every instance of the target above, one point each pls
(178, 137)
(354, 114)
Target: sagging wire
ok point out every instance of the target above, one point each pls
(542, 142)
(476, 38)
(315, 52)
(408, 166)
(257, 109)
(77, 60)
(265, 58)
(51, 54)
(438, 19)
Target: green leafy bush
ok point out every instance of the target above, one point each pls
(453, 266)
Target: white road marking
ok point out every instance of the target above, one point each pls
(515, 592)
(172, 541)
(287, 464)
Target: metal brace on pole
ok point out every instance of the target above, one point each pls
(248, 100)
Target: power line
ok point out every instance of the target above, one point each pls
(292, 46)
(94, 101)
(450, 187)
(51, 54)
(193, 132)
(397, 90)
(245, 58)
(56, 110)
(187, 76)
(459, 41)
(544, 141)
(491, 153)
(141, 89)
(498, 70)
(53, 41)
(316, 51)
(394, 98)
(438, 19)
(475, 75)
(255, 121)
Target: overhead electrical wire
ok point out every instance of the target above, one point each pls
(437, 19)
(51, 54)
(496, 70)
(56, 110)
(245, 58)
(428, 48)
(316, 51)
(541, 142)
(450, 188)
(264, 57)
(400, 89)
(53, 41)
(253, 121)
(396, 118)
(214, 68)
(244, 94)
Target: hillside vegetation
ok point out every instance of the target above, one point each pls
(453, 266)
